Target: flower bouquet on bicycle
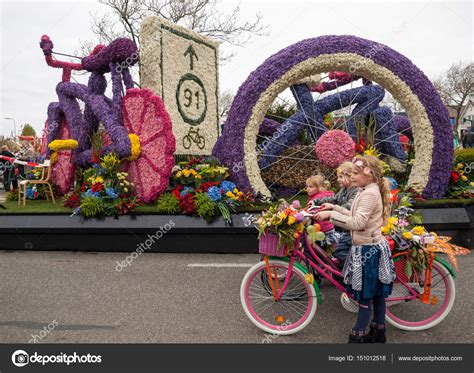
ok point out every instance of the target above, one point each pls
(280, 289)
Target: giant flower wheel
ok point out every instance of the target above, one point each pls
(377, 63)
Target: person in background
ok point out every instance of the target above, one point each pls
(8, 170)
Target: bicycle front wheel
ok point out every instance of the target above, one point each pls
(292, 312)
(414, 315)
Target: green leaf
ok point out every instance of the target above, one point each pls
(408, 269)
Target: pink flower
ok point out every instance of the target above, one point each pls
(145, 115)
(334, 147)
(299, 216)
(296, 204)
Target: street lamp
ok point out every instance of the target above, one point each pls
(14, 124)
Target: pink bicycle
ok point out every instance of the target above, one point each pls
(280, 296)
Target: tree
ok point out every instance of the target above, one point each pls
(392, 103)
(454, 87)
(28, 130)
(225, 102)
(202, 16)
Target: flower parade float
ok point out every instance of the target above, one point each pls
(114, 162)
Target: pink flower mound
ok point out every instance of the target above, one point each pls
(145, 115)
(335, 147)
(63, 171)
(44, 139)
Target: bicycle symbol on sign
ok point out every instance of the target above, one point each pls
(193, 136)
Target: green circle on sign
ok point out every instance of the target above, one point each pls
(191, 98)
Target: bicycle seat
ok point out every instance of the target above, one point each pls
(118, 51)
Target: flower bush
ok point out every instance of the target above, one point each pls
(461, 183)
(105, 191)
(197, 171)
(202, 191)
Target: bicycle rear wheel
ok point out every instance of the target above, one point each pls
(414, 315)
(291, 313)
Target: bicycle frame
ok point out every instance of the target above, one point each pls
(98, 107)
(324, 266)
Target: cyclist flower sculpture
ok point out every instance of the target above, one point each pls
(137, 124)
(428, 116)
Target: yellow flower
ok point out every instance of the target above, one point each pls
(186, 173)
(99, 179)
(178, 174)
(281, 216)
(407, 235)
(392, 221)
(291, 220)
(68, 144)
(471, 183)
(300, 227)
(199, 177)
(386, 229)
(136, 148)
(463, 178)
(230, 194)
(418, 230)
(236, 190)
(460, 165)
(54, 157)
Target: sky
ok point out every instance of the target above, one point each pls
(433, 34)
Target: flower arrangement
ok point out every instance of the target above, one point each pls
(105, 191)
(405, 233)
(283, 220)
(460, 185)
(199, 170)
(335, 147)
(206, 199)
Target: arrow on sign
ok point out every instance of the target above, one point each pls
(192, 54)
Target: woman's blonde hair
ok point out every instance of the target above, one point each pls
(318, 181)
(345, 171)
(370, 165)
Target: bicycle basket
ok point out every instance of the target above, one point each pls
(268, 245)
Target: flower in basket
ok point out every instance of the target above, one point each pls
(418, 230)
(296, 204)
(407, 235)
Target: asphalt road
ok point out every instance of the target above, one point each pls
(169, 298)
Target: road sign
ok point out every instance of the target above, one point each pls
(182, 67)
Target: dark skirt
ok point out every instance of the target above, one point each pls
(371, 285)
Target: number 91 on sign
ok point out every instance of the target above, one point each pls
(191, 98)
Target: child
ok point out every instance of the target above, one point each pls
(317, 188)
(343, 198)
(369, 271)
